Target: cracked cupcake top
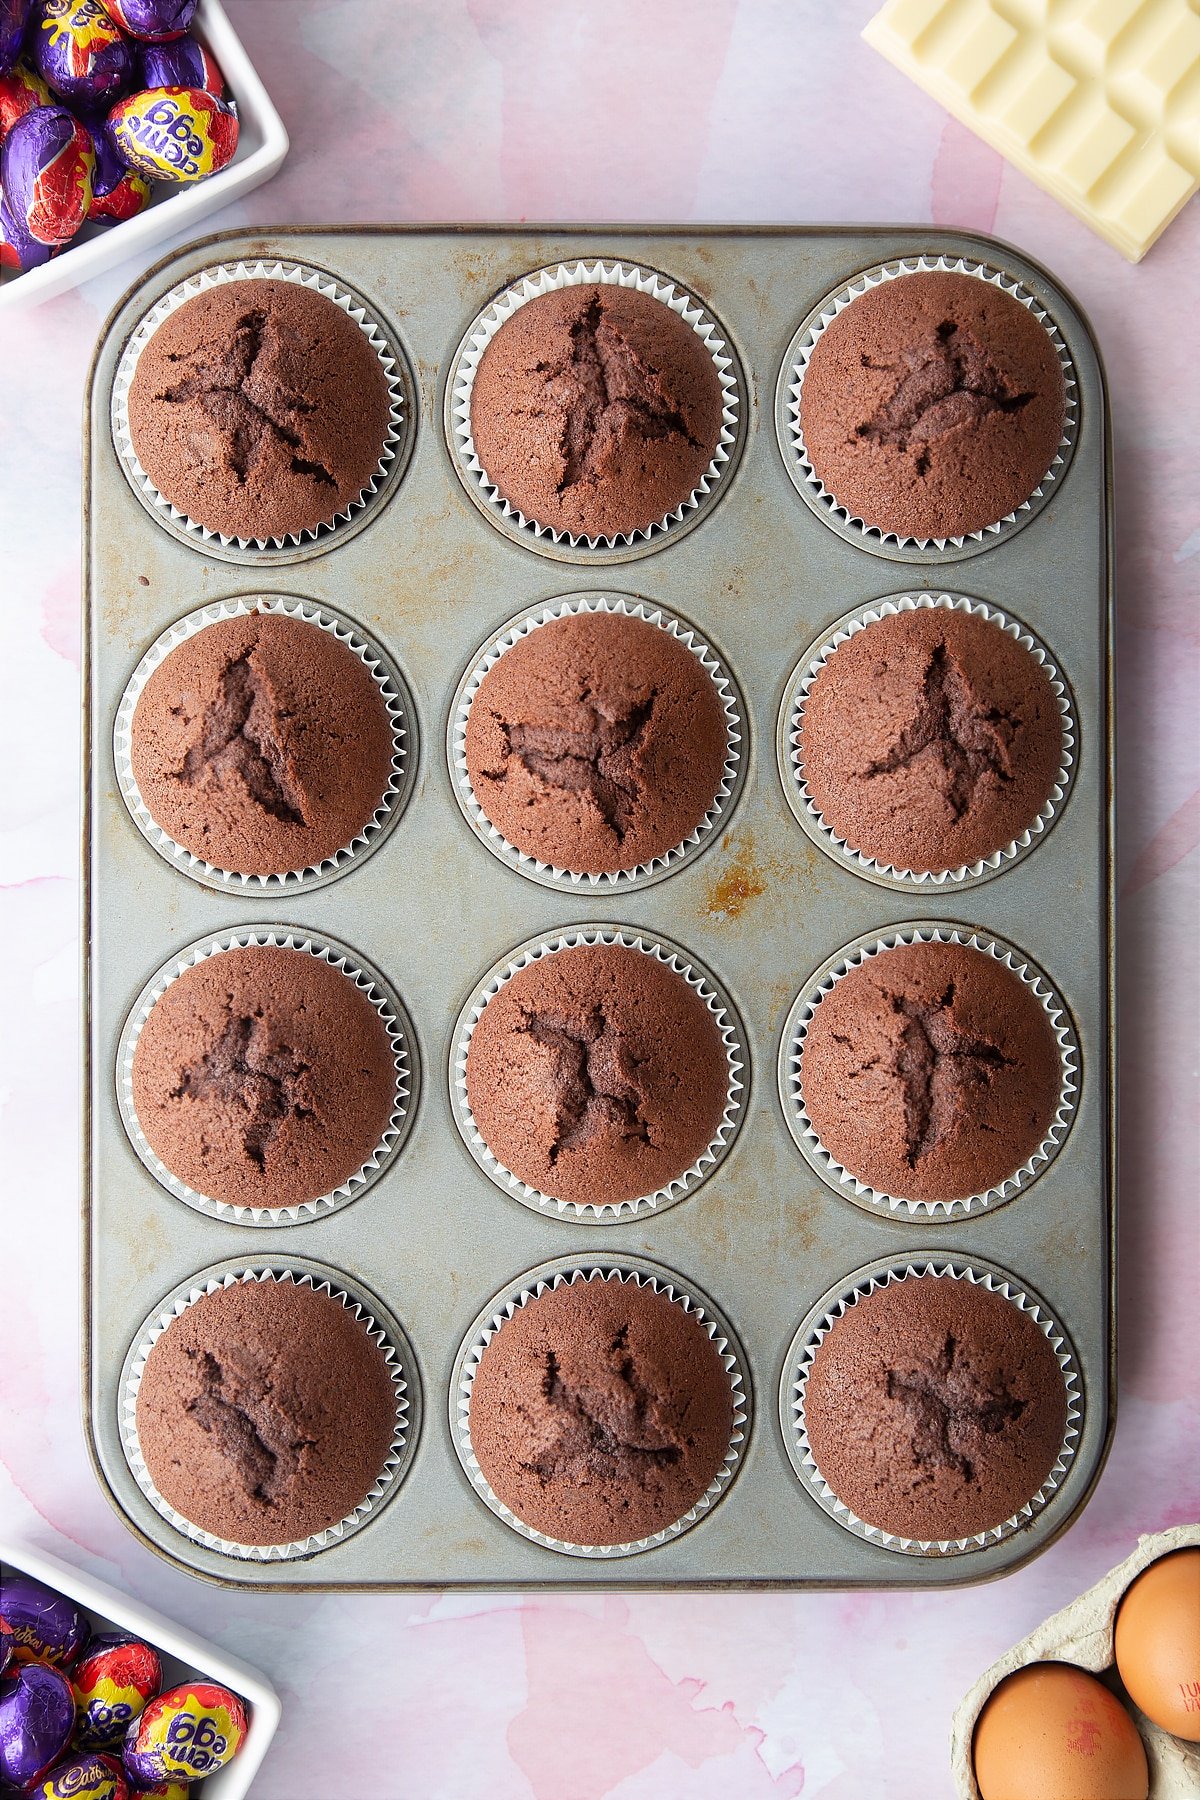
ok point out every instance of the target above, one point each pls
(930, 739)
(933, 405)
(596, 1074)
(259, 409)
(596, 743)
(935, 1408)
(263, 1077)
(265, 1412)
(262, 744)
(596, 410)
(930, 1072)
(600, 1412)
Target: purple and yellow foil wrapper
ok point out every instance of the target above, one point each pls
(37, 1717)
(183, 63)
(154, 21)
(113, 1684)
(118, 192)
(174, 134)
(80, 54)
(21, 89)
(186, 1733)
(19, 251)
(45, 1626)
(14, 20)
(46, 167)
(87, 1777)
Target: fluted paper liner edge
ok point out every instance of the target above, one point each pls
(400, 1368)
(733, 1039)
(806, 1137)
(612, 273)
(367, 979)
(609, 605)
(568, 1271)
(799, 1364)
(795, 367)
(800, 686)
(400, 720)
(220, 275)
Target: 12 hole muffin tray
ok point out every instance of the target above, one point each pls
(764, 906)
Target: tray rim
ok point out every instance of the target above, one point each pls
(1107, 962)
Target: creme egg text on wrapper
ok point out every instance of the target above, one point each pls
(188, 1732)
(1051, 1731)
(174, 134)
(1157, 1643)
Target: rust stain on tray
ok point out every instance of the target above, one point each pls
(741, 881)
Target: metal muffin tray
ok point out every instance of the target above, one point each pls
(761, 575)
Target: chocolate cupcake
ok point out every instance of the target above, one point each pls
(596, 743)
(262, 744)
(266, 1412)
(930, 740)
(933, 405)
(264, 1077)
(259, 409)
(935, 1408)
(601, 1412)
(597, 1075)
(930, 1072)
(596, 410)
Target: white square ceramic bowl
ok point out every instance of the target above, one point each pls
(184, 1658)
(262, 146)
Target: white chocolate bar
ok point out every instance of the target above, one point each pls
(1098, 101)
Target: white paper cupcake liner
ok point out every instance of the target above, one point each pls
(400, 714)
(732, 775)
(384, 1331)
(791, 760)
(393, 456)
(831, 1307)
(487, 496)
(796, 1030)
(733, 1038)
(368, 980)
(613, 1268)
(791, 438)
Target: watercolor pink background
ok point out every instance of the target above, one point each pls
(636, 109)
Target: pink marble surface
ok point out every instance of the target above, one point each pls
(565, 110)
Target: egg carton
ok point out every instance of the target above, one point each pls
(1082, 1633)
(760, 577)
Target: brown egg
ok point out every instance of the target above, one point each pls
(1158, 1643)
(1052, 1732)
